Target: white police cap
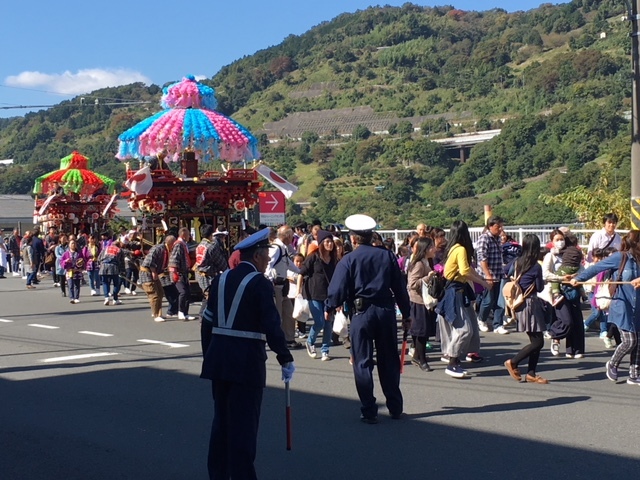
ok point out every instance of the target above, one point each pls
(257, 240)
(360, 223)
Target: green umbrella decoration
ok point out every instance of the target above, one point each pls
(74, 176)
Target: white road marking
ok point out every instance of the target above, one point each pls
(78, 357)
(97, 334)
(37, 325)
(168, 344)
(2, 320)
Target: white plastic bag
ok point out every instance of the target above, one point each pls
(301, 309)
(340, 326)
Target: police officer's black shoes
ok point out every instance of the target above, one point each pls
(397, 416)
(369, 420)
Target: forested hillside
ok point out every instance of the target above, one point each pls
(556, 79)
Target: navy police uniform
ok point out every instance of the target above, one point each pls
(370, 279)
(240, 317)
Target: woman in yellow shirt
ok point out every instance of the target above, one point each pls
(459, 325)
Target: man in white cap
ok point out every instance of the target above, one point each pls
(240, 317)
(369, 279)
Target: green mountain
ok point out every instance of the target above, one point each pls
(348, 111)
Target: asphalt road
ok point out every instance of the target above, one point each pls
(88, 392)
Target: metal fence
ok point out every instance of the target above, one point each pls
(517, 233)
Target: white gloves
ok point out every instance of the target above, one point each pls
(287, 371)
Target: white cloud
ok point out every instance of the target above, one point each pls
(83, 81)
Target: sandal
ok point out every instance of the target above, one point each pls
(536, 379)
(513, 371)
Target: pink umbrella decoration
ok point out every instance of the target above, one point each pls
(189, 122)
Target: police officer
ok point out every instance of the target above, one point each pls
(369, 278)
(240, 317)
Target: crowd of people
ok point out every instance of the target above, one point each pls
(276, 281)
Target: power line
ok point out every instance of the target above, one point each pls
(22, 107)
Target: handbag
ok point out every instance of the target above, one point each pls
(429, 301)
(607, 291)
(50, 259)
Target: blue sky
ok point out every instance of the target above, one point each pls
(52, 51)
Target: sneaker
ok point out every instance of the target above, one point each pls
(185, 318)
(578, 355)
(325, 357)
(116, 302)
(159, 319)
(633, 381)
(557, 299)
(546, 335)
(412, 351)
(501, 330)
(311, 350)
(444, 358)
(603, 334)
(93, 293)
(455, 371)
(368, 420)
(134, 293)
(612, 372)
(586, 327)
(473, 357)
(56, 284)
(127, 291)
(171, 315)
(71, 301)
(16, 274)
(75, 300)
(507, 321)
(555, 348)
(106, 300)
(483, 326)
(569, 355)
(608, 342)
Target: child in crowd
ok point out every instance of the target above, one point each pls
(612, 338)
(298, 260)
(596, 314)
(572, 257)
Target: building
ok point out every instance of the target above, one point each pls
(16, 211)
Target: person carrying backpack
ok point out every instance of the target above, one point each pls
(529, 314)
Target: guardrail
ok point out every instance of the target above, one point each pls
(517, 233)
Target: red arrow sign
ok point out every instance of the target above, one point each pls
(272, 202)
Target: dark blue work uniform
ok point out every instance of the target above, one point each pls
(236, 366)
(372, 274)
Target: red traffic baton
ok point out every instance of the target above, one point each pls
(287, 394)
(404, 348)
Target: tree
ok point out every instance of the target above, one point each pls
(361, 133)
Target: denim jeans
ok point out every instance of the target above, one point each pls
(316, 307)
(31, 277)
(106, 285)
(596, 315)
(490, 302)
(15, 263)
(94, 279)
(74, 288)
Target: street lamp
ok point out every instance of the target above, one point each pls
(635, 111)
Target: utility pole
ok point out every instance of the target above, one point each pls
(635, 126)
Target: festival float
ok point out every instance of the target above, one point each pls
(74, 199)
(190, 132)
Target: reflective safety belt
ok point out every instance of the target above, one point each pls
(225, 324)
